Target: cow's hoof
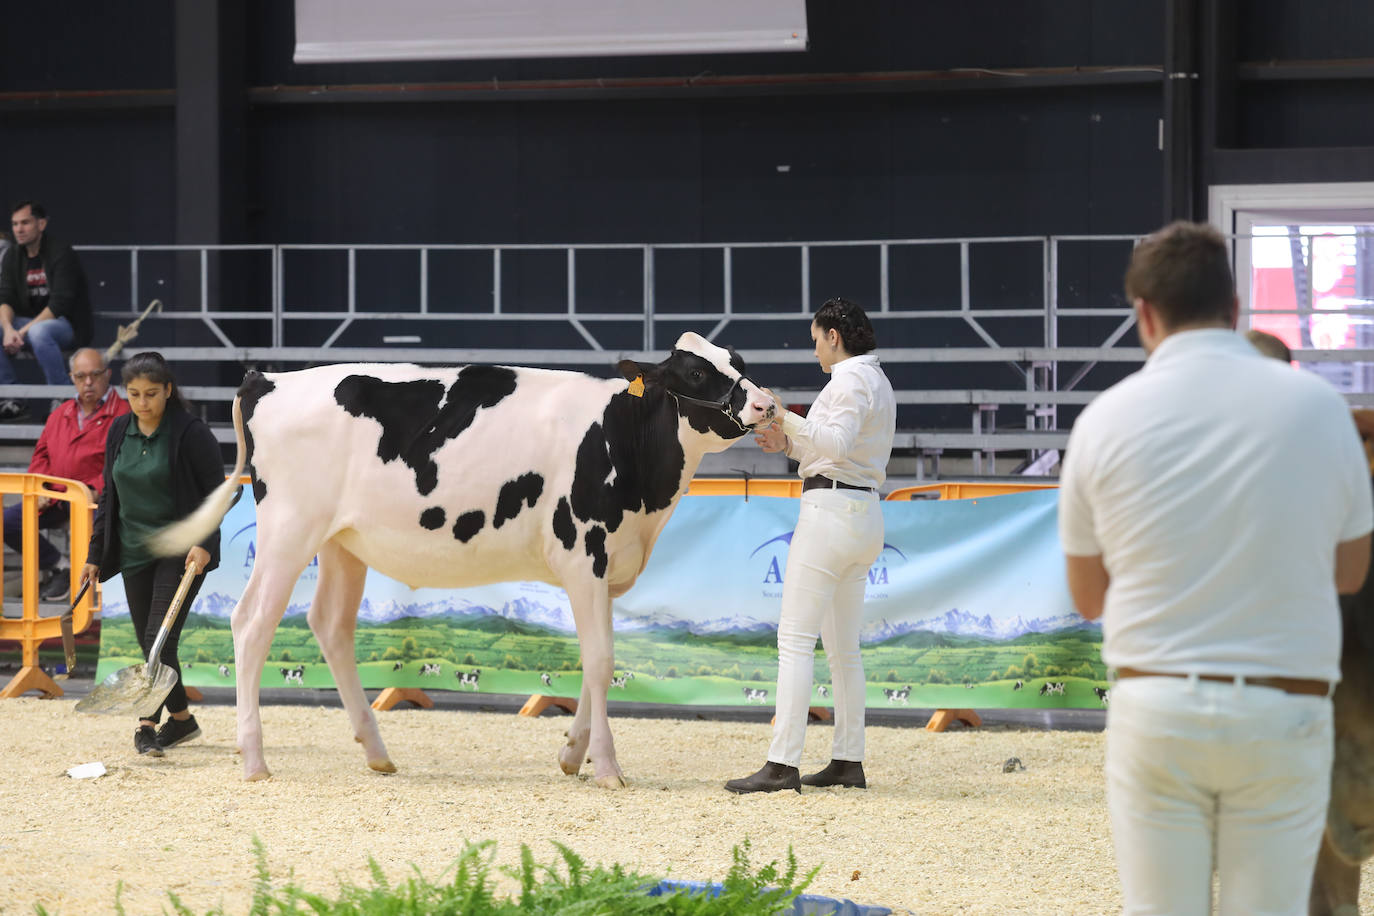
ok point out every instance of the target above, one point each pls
(613, 781)
(257, 775)
(569, 765)
(382, 766)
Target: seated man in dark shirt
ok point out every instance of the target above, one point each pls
(43, 302)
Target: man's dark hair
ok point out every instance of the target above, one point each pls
(856, 331)
(38, 210)
(1184, 271)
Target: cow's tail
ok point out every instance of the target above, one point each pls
(179, 537)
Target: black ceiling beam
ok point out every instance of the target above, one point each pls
(970, 80)
(1270, 166)
(210, 148)
(1180, 108)
(1280, 71)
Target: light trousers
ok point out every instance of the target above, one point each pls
(1205, 776)
(838, 536)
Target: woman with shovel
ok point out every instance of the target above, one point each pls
(160, 463)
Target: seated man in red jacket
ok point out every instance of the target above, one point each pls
(72, 445)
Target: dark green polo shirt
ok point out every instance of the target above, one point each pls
(143, 477)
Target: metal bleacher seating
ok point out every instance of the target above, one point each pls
(312, 304)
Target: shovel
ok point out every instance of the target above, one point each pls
(68, 637)
(141, 688)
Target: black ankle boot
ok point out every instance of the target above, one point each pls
(847, 773)
(774, 777)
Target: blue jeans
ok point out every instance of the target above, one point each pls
(47, 341)
(56, 517)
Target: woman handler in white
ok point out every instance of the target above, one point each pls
(842, 447)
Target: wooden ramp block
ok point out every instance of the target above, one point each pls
(942, 718)
(194, 695)
(537, 703)
(31, 677)
(814, 714)
(392, 696)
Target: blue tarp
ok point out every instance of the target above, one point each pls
(804, 905)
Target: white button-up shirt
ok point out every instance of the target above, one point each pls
(847, 433)
(1215, 484)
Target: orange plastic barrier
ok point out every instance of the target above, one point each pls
(738, 486)
(966, 489)
(31, 629)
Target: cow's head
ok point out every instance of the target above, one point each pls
(709, 385)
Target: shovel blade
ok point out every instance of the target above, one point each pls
(130, 691)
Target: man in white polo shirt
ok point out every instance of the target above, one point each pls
(1211, 506)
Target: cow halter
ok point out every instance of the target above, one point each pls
(721, 404)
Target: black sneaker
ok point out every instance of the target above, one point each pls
(145, 741)
(175, 731)
(13, 412)
(56, 584)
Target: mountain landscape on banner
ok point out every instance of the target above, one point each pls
(955, 622)
(523, 610)
(557, 618)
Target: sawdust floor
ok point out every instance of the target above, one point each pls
(940, 830)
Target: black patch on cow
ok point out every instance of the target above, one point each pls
(698, 377)
(563, 524)
(254, 386)
(596, 549)
(524, 489)
(432, 518)
(416, 416)
(637, 440)
(468, 524)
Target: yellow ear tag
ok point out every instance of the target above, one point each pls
(637, 386)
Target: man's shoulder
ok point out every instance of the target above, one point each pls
(1114, 402)
(53, 245)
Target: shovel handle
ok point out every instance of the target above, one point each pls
(170, 617)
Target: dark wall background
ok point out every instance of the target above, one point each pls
(1006, 117)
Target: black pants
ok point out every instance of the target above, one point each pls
(150, 589)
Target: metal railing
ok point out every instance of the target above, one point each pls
(294, 292)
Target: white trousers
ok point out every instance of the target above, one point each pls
(838, 536)
(1205, 776)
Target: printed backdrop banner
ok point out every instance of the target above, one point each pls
(966, 607)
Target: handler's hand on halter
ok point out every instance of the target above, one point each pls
(770, 438)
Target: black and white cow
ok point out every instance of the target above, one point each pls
(822, 691)
(755, 695)
(446, 478)
(546, 679)
(1101, 694)
(223, 670)
(431, 669)
(899, 695)
(468, 678)
(1018, 685)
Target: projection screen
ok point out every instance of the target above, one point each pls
(339, 31)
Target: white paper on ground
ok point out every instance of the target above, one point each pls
(87, 770)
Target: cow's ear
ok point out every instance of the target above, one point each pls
(631, 370)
